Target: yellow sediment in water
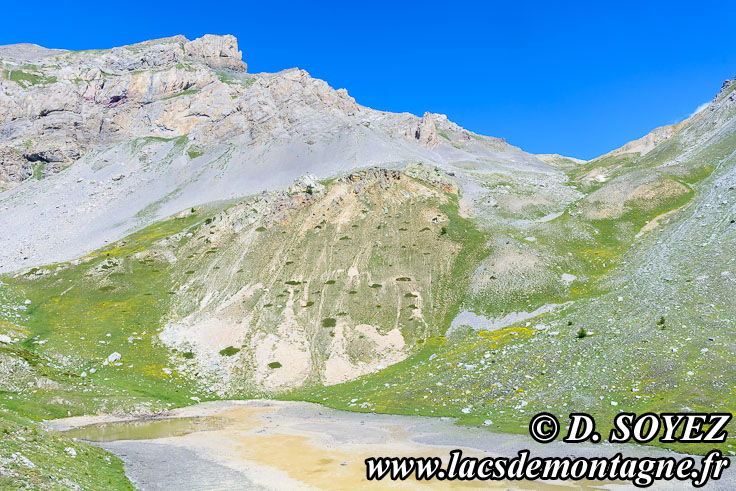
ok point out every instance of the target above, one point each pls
(317, 460)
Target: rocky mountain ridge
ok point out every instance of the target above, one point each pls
(155, 127)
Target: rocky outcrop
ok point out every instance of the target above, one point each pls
(216, 52)
(726, 85)
(373, 177)
(13, 168)
(425, 132)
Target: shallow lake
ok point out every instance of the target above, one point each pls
(144, 429)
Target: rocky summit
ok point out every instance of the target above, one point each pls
(174, 229)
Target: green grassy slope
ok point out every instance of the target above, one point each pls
(33, 389)
(371, 260)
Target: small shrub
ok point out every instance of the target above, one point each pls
(403, 278)
(582, 333)
(376, 285)
(188, 355)
(329, 322)
(261, 229)
(274, 364)
(443, 231)
(229, 351)
(330, 282)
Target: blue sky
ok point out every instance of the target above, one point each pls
(573, 78)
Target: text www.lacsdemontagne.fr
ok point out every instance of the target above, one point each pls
(640, 471)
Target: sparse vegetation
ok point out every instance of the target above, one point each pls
(194, 151)
(28, 78)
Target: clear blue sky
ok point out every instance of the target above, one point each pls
(577, 78)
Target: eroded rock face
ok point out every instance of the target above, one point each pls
(67, 102)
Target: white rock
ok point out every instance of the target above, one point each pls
(114, 357)
(72, 453)
(22, 459)
(568, 278)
